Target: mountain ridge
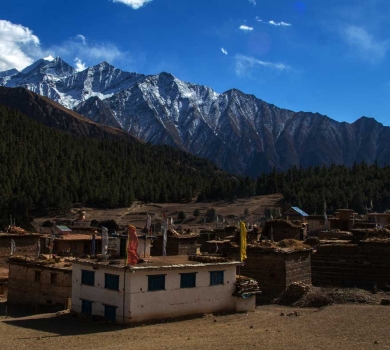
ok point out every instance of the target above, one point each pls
(239, 132)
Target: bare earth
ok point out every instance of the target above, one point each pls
(335, 327)
(136, 214)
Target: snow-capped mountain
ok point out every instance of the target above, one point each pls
(239, 132)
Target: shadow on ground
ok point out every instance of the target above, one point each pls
(59, 325)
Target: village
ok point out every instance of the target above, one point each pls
(178, 271)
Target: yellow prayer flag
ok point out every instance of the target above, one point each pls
(242, 241)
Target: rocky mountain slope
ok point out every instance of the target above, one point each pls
(52, 114)
(239, 132)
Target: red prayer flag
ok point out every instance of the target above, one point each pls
(132, 246)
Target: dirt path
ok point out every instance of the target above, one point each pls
(336, 327)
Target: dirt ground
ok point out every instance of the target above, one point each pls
(334, 327)
(231, 211)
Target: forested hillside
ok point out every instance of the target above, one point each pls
(338, 186)
(45, 168)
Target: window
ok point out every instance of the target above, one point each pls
(110, 313)
(86, 307)
(53, 278)
(188, 280)
(156, 282)
(37, 276)
(88, 277)
(216, 277)
(111, 281)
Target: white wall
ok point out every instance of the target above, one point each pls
(97, 293)
(141, 304)
(175, 301)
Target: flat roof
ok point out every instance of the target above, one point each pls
(58, 264)
(73, 237)
(172, 262)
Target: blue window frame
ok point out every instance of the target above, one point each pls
(156, 282)
(111, 281)
(188, 280)
(86, 307)
(88, 277)
(216, 278)
(110, 313)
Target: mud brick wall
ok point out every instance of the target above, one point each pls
(175, 246)
(25, 246)
(364, 264)
(275, 271)
(24, 289)
(298, 268)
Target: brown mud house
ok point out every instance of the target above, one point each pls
(280, 229)
(274, 267)
(295, 213)
(25, 245)
(39, 282)
(363, 262)
(177, 243)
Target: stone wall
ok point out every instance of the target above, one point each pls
(275, 270)
(363, 264)
(24, 287)
(175, 246)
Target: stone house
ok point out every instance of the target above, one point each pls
(177, 244)
(39, 282)
(163, 287)
(25, 244)
(295, 213)
(284, 229)
(380, 219)
(343, 220)
(71, 244)
(274, 268)
(364, 264)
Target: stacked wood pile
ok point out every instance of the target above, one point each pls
(246, 287)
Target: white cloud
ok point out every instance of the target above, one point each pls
(224, 51)
(18, 46)
(81, 49)
(134, 4)
(49, 58)
(82, 38)
(364, 44)
(283, 24)
(79, 64)
(246, 28)
(258, 19)
(245, 64)
(253, 2)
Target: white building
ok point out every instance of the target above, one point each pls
(170, 286)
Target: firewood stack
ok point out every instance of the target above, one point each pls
(246, 287)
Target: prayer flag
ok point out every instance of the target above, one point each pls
(13, 247)
(104, 241)
(242, 241)
(132, 246)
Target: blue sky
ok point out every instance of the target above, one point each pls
(330, 57)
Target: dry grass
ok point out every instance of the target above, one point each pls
(335, 327)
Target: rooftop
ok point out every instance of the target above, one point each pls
(43, 261)
(73, 237)
(171, 262)
(299, 211)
